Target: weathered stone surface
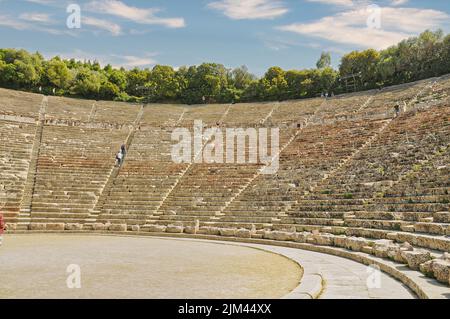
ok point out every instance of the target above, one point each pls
(174, 229)
(38, 226)
(340, 241)
(324, 239)
(445, 256)
(207, 230)
(426, 220)
(228, 232)
(427, 268)
(154, 228)
(392, 236)
(415, 258)
(283, 236)
(367, 249)
(118, 227)
(381, 247)
(55, 226)
(193, 229)
(441, 270)
(437, 243)
(441, 217)
(11, 226)
(135, 228)
(429, 228)
(243, 233)
(356, 243)
(190, 230)
(100, 226)
(407, 228)
(74, 226)
(301, 237)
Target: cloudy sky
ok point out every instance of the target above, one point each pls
(257, 33)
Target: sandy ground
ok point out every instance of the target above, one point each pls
(35, 266)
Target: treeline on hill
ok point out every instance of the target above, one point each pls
(421, 57)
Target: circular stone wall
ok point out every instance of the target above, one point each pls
(35, 266)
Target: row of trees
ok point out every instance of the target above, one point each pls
(425, 56)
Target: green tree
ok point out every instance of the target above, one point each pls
(324, 61)
(58, 74)
(87, 83)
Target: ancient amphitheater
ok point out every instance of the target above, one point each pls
(357, 186)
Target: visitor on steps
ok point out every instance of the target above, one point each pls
(397, 109)
(2, 227)
(119, 158)
(123, 149)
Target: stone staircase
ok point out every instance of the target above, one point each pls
(24, 217)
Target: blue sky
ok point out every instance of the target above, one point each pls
(256, 33)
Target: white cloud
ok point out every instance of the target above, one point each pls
(116, 60)
(36, 17)
(250, 9)
(359, 3)
(13, 23)
(344, 3)
(350, 27)
(130, 61)
(398, 2)
(29, 22)
(138, 15)
(111, 27)
(45, 2)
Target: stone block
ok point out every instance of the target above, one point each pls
(244, 233)
(415, 258)
(356, 243)
(100, 226)
(340, 241)
(441, 270)
(118, 227)
(154, 228)
(228, 232)
(429, 228)
(324, 239)
(74, 226)
(174, 229)
(301, 237)
(11, 226)
(38, 226)
(210, 231)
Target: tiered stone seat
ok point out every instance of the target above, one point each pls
(115, 112)
(348, 167)
(17, 103)
(302, 163)
(162, 115)
(73, 166)
(293, 113)
(422, 197)
(394, 153)
(76, 110)
(248, 114)
(16, 143)
(384, 101)
(206, 188)
(345, 106)
(147, 175)
(210, 115)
